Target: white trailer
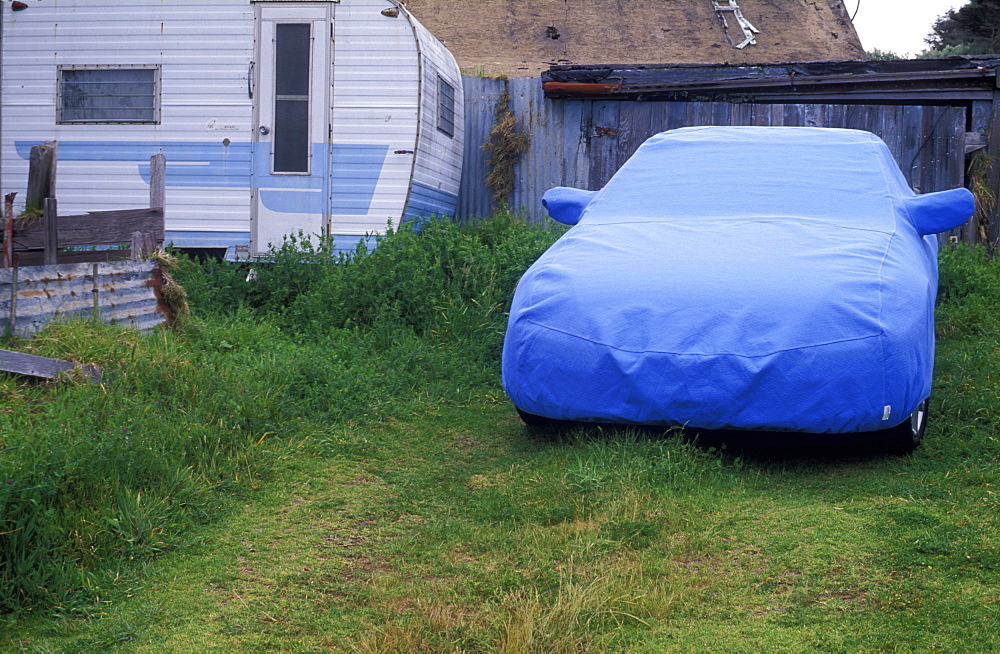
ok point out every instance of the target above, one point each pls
(321, 116)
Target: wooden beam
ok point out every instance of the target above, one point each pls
(95, 228)
(974, 141)
(31, 365)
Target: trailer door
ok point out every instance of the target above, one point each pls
(291, 128)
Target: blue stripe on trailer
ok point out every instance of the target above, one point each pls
(356, 169)
(426, 202)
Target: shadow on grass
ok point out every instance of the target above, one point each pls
(748, 445)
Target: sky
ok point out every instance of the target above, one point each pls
(898, 26)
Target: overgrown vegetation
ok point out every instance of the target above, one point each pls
(973, 28)
(875, 54)
(986, 196)
(94, 478)
(326, 456)
(505, 144)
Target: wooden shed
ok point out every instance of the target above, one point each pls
(938, 117)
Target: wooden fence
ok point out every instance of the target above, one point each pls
(583, 142)
(40, 236)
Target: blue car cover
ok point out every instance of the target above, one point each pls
(763, 278)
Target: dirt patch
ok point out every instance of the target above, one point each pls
(521, 38)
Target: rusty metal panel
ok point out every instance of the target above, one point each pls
(124, 293)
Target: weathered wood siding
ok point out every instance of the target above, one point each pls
(582, 143)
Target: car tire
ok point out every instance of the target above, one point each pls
(906, 436)
(540, 422)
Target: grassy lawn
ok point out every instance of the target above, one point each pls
(369, 488)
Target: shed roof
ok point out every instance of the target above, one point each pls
(951, 81)
(520, 38)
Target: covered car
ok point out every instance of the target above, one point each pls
(750, 278)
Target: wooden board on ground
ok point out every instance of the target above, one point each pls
(31, 365)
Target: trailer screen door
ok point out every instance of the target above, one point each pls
(292, 51)
(291, 108)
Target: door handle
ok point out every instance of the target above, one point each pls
(265, 130)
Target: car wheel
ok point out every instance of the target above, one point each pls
(531, 420)
(906, 436)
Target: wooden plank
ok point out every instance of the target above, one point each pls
(21, 363)
(982, 111)
(741, 114)
(604, 144)
(909, 126)
(861, 117)
(36, 257)
(95, 228)
(699, 114)
(634, 122)
(658, 117)
(793, 116)
(837, 115)
(975, 141)
(777, 115)
(677, 115)
(722, 113)
(952, 167)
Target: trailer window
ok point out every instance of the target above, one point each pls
(291, 100)
(446, 107)
(122, 94)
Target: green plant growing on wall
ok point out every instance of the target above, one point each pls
(986, 196)
(505, 144)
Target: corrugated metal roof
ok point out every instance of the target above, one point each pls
(123, 292)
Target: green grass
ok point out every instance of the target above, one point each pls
(301, 478)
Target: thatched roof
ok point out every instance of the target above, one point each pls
(520, 38)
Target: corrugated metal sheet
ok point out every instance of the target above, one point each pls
(481, 96)
(124, 293)
(582, 143)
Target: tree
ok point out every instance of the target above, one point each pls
(971, 29)
(881, 55)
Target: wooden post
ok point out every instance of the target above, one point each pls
(50, 224)
(143, 245)
(157, 181)
(12, 323)
(41, 175)
(95, 294)
(157, 200)
(993, 148)
(8, 230)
